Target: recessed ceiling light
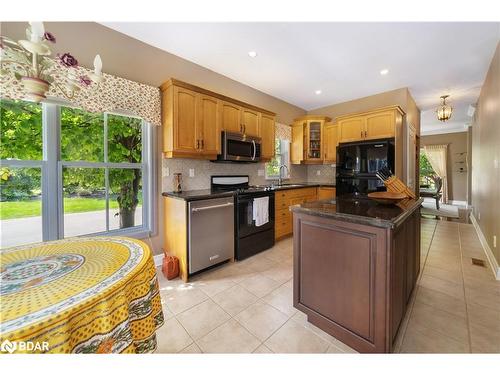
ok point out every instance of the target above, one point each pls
(318, 92)
(252, 54)
(384, 72)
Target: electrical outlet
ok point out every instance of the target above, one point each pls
(494, 241)
(495, 163)
(260, 172)
(191, 172)
(479, 215)
(167, 171)
(318, 173)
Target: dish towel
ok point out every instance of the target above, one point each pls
(261, 211)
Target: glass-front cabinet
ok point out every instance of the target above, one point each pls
(308, 143)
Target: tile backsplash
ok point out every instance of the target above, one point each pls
(326, 173)
(203, 169)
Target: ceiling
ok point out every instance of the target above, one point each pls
(343, 60)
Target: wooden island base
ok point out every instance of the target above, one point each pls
(354, 280)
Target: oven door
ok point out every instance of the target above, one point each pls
(245, 225)
(238, 147)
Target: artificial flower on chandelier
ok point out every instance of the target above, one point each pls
(31, 64)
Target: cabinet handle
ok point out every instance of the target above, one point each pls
(202, 144)
(361, 133)
(197, 144)
(365, 133)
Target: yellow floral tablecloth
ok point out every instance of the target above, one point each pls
(82, 295)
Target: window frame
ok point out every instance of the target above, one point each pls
(282, 161)
(52, 166)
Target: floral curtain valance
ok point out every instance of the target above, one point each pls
(114, 94)
(283, 132)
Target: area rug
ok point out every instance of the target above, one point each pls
(446, 210)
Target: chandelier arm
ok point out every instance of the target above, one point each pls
(63, 91)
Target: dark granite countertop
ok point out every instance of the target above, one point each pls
(193, 195)
(196, 195)
(360, 211)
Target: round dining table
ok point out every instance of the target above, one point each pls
(79, 295)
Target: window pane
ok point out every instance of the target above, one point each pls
(20, 206)
(82, 135)
(84, 201)
(124, 139)
(125, 198)
(20, 130)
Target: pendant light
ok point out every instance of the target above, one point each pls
(444, 111)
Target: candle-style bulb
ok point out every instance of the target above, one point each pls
(37, 31)
(97, 65)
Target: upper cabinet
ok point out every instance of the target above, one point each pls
(267, 134)
(250, 122)
(331, 142)
(377, 124)
(193, 119)
(231, 117)
(308, 140)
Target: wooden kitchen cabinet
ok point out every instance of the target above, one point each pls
(193, 118)
(231, 117)
(308, 139)
(331, 141)
(326, 192)
(208, 124)
(237, 119)
(378, 124)
(297, 149)
(267, 135)
(250, 122)
(283, 199)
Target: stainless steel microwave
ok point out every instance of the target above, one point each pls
(239, 147)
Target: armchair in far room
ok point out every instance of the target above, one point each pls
(433, 193)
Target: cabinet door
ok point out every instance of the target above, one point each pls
(231, 117)
(267, 134)
(380, 125)
(185, 137)
(208, 124)
(331, 140)
(351, 129)
(326, 193)
(297, 151)
(314, 144)
(251, 123)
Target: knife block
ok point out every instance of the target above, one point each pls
(395, 185)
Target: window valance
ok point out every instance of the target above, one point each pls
(283, 132)
(115, 94)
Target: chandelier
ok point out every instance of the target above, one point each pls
(32, 66)
(444, 111)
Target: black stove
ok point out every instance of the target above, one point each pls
(249, 238)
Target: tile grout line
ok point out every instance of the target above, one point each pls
(463, 286)
(417, 286)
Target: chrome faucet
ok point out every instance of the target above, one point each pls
(280, 179)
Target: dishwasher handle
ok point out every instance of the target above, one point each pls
(196, 209)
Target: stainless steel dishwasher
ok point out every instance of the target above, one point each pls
(211, 232)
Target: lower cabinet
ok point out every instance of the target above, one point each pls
(354, 281)
(283, 200)
(326, 192)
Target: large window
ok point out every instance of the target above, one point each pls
(66, 172)
(281, 157)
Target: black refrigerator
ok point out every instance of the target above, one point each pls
(358, 163)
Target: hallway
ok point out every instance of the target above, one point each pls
(456, 307)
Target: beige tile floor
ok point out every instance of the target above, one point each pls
(246, 306)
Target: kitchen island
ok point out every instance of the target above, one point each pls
(355, 266)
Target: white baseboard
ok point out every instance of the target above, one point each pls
(459, 203)
(158, 260)
(489, 254)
